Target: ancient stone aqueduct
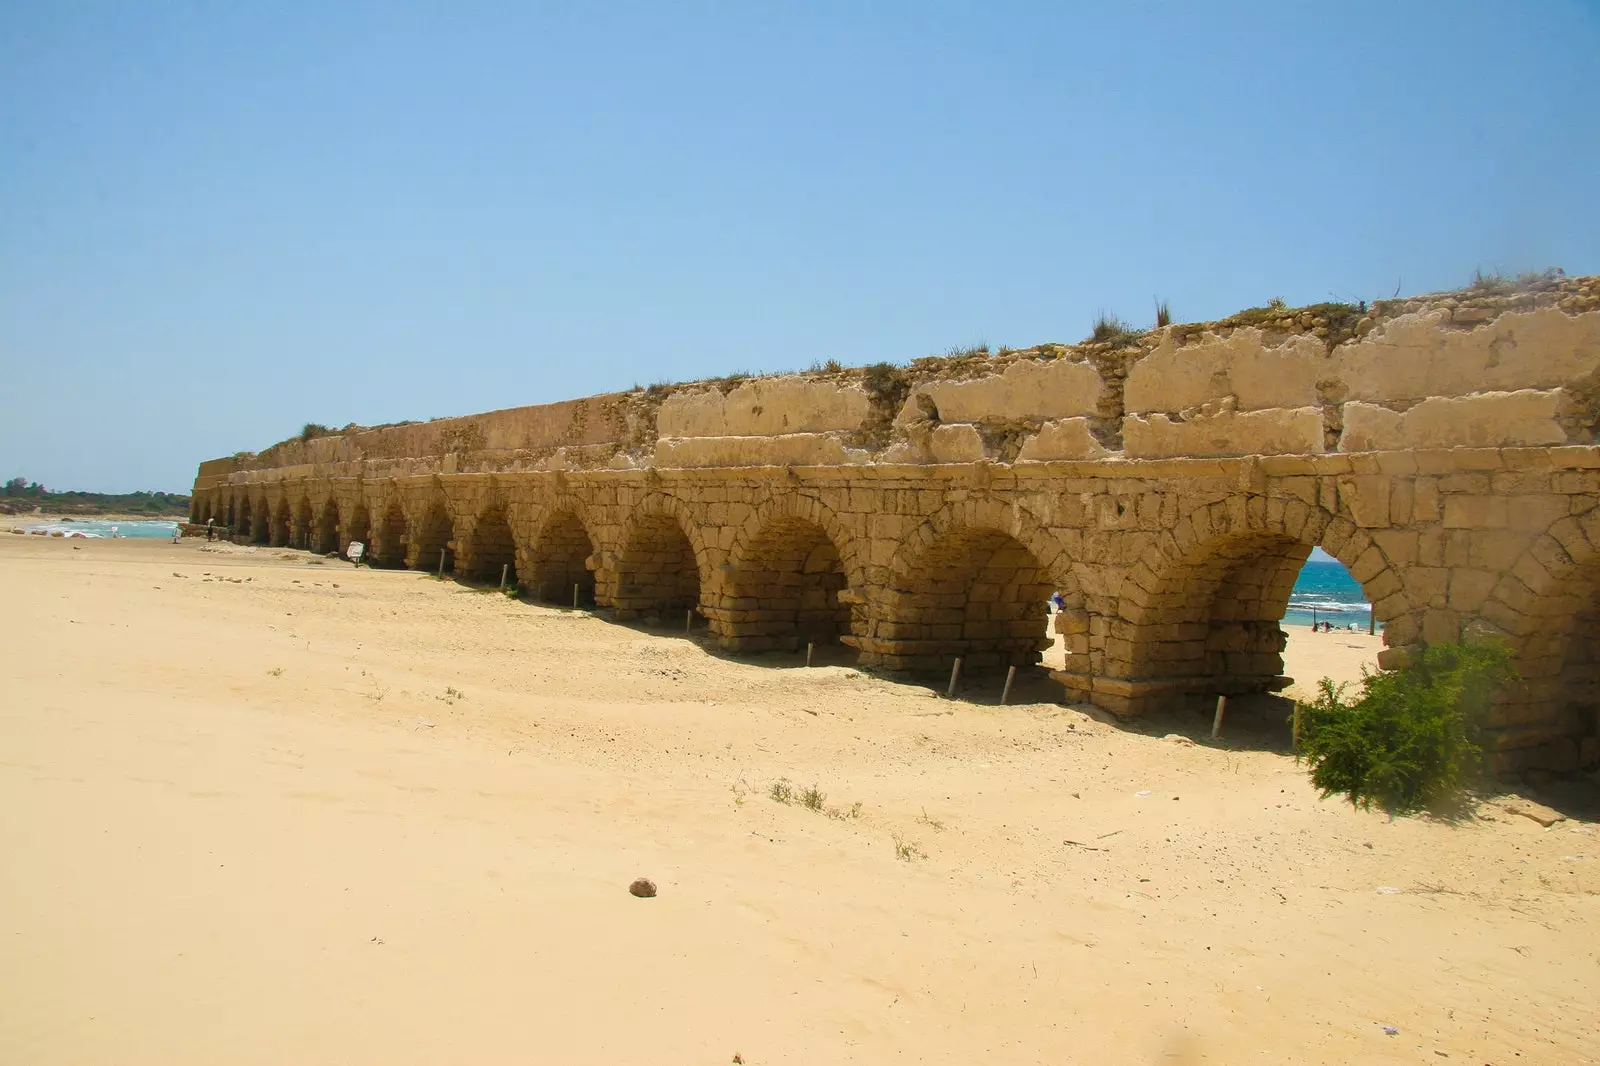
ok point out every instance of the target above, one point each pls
(1168, 484)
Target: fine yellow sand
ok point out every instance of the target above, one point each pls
(260, 809)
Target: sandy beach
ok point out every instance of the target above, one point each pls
(267, 808)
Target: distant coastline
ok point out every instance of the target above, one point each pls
(20, 496)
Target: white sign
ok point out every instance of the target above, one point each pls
(355, 551)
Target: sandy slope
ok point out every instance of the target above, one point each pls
(247, 821)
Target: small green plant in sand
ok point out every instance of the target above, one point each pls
(932, 823)
(812, 798)
(781, 791)
(1410, 740)
(276, 671)
(907, 850)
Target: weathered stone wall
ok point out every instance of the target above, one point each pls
(1169, 485)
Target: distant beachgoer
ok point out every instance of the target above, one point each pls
(211, 529)
(1058, 601)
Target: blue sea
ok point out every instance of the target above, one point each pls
(93, 527)
(1326, 591)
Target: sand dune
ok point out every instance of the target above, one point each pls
(262, 809)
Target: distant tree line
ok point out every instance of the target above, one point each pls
(21, 495)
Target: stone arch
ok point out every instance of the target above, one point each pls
(326, 534)
(357, 527)
(973, 581)
(435, 534)
(560, 556)
(282, 523)
(1200, 611)
(200, 510)
(233, 513)
(659, 569)
(793, 577)
(492, 545)
(388, 548)
(1546, 609)
(261, 521)
(300, 532)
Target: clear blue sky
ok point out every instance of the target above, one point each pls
(219, 221)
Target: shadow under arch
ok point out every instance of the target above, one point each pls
(326, 536)
(433, 540)
(1546, 609)
(300, 532)
(260, 521)
(282, 529)
(492, 546)
(975, 583)
(658, 568)
(357, 528)
(560, 556)
(388, 548)
(1201, 612)
(792, 580)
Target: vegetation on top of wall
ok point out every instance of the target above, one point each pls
(1411, 739)
(312, 430)
(1163, 314)
(1109, 329)
(1498, 284)
(887, 387)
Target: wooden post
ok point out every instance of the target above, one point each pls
(955, 672)
(688, 620)
(504, 570)
(1216, 723)
(441, 564)
(1372, 622)
(1011, 675)
(574, 595)
(809, 646)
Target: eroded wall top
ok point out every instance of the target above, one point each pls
(1501, 364)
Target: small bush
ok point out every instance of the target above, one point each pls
(781, 791)
(1410, 740)
(312, 430)
(812, 798)
(1109, 329)
(1163, 314)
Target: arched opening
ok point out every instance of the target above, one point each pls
(1210, 623)
(784, 591)
(560, 557)
(300, 535)
(1550, 719)
(327, 538)
(282, 525)
(493, 547)
(356, 529)
(656, 573)
(974, 593)
(233, 515)
(388, 547)
(433, 541)
(260, 523)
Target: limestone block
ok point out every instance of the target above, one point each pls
(794, 449)
(1030, 389)
(763, 407)
(1173, 379)
(1412, 358)
(955, 444)
(1485, 420)
(1269, 432)
(1063, 438)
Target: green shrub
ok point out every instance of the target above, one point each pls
(1410, 740)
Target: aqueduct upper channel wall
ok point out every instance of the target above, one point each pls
(1168, 484)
